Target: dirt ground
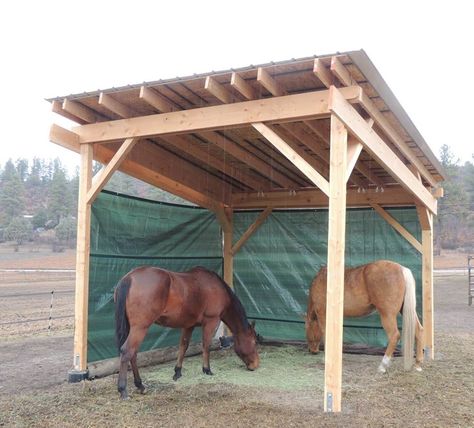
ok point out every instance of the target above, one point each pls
(287, 390)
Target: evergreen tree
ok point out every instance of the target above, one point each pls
(59, 196)
(12, 202)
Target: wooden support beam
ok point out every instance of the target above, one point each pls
(394, 137)
(397, 226)
(188, 182)
(102, 178)
(378, 149)
(205, 157)
(110, 103)
(322, 73)
(218, 90)
(154, 99)
(57, 107)
(81, 111)
(64, 138)
(354, 148)
(289, 138)
(315, 177)
(427, 279)
(335, 274)
(235, 115)
(82, 261)
(313, 198)
(319, 130)
(248, 158)
(338, 69)
(438, 192)
(269, 83)
(237, 82)
(251, 230)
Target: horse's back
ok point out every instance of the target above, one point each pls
(365, 287)
(175, 299)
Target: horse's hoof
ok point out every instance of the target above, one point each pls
(124, 397)
(382, 369)
(177, 373)
(141, 390)
(207, 371)
(418, 369)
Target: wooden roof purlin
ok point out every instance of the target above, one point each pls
(219, 139)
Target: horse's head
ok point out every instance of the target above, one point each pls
(245, 346)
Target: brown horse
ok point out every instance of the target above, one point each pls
(384, 286)
(148, 295)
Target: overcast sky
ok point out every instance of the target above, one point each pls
(423, 50)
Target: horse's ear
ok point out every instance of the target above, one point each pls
(253, 324)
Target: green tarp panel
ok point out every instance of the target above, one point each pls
(272, 271)
(127, 232)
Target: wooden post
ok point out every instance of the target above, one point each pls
(335, 276)
(427, 280)
(82, 266)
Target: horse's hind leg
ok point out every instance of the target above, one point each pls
(208, 330)
(389, 323)
(136, 376)
(183, 347)
(419, 345)
(127, 353)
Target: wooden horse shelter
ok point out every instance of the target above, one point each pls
(322, 131)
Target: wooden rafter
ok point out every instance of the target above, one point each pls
(322, 73)
(242, 86)
(193, 149)
(248, 158)
(224, 95)
(156, 100)
(251, 230)
(305, 167)
(57, 107)
(110, 103)
(235, 115)
(81, 111)
(218, 90)
(378, 149)
(341, 72)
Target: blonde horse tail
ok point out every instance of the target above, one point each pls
(409, 319)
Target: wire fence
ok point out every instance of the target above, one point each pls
(29, 296)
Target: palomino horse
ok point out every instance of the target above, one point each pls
(148, 295)
(383, 286)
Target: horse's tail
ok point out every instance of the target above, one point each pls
(409, 319)
(122, 326)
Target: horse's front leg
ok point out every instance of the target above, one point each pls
(313, 332)
(183, 347)
(208, 328)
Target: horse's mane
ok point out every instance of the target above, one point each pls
(234, 300)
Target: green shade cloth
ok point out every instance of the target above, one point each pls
(127, 232)
(272, 271)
